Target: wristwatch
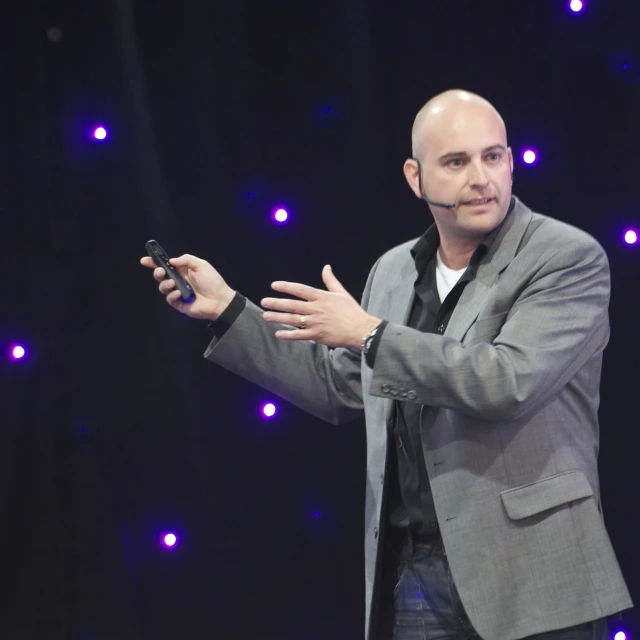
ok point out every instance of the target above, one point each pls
(367, 340)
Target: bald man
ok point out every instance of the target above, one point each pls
(475, 355)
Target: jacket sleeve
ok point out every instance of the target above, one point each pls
(323, 381)
(558, 322)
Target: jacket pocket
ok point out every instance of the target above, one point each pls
(529, 499)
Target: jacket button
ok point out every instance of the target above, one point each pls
(375, 532)
(384, 388)
(412, 395)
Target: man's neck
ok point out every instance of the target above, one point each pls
(457, 254)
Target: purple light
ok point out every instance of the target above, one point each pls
(529, 156)
(631, 237)
(170, 540)
(576, 5)
(269, 410)
(281, 216)
(621, 635)
(100, 133)
(18, 352)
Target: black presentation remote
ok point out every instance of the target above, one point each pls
(161, 258)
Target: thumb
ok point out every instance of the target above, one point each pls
(331, 282)
(186, 260)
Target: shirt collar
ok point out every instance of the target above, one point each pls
(425, 248)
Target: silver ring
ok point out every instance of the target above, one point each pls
(303, 322)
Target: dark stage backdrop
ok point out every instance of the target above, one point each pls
(115, 429)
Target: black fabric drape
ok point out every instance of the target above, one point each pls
(115, 429)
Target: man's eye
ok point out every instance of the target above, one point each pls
(493, 157)
(456, 163)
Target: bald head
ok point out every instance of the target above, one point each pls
(465, 163)
(447, 111)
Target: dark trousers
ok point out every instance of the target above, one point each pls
(425, 601)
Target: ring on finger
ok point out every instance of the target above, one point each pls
(303, 322)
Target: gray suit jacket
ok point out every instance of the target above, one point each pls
(509, 427)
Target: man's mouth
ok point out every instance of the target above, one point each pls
(476, 201)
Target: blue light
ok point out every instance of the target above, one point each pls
(17, 352)
(169, 540)
(318, 516)
(625, 65)
(327, 112)
(280, 215)
(269, 410)
(100, 133)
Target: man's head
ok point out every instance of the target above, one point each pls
(459, 142)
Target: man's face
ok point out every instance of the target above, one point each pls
(466, 162)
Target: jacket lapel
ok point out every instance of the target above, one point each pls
(501, 253)
(401, 294)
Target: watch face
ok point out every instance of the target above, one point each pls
(368, 340)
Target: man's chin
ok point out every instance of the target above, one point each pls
(480, 223)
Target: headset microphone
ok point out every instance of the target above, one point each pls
(431, 202)
(437, 204)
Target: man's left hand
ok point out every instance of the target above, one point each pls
(331, 317)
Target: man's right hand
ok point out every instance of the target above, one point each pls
(213, 294)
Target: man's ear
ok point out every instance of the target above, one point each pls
(411, 174)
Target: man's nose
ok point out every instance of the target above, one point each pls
(478, 178)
